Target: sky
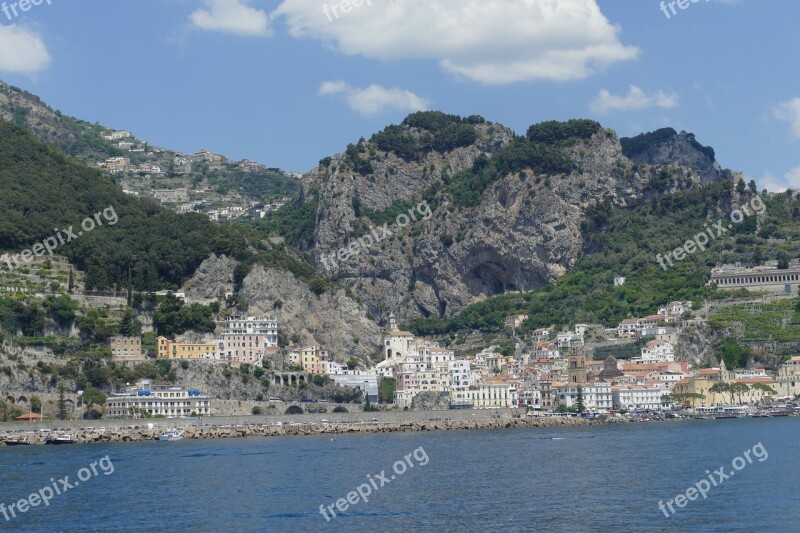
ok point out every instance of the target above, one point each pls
(288, 82)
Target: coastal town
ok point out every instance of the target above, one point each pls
(554, 375)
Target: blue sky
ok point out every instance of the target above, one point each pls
(282, 82)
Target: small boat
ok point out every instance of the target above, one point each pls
(63, 438)
(16, 442)
(171, 435)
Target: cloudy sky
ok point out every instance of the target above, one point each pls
(287, 82)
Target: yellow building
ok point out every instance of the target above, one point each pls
(314, 360)
(168, 349)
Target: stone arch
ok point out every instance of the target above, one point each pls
(11, 399)
(22, 400)
(294, 410)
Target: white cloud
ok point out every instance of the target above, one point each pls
(636, 100)
(22, 50)
(374, 99)
(790, 112)
(489, 41)
(790, 180)
(231, 16)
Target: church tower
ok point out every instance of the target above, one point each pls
(576, 366)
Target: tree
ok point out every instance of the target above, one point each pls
(386, 390)
(257, 410)
(353, 363)
(367, 404)
(130, 287)
(62, 404)
(722, 388)
(130, 325)
(763, 387)
(71, 281)
(783, 260)
(94, 400)
(36, 404)
(738, 389)
(579, 402)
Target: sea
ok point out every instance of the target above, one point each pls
(606, 478)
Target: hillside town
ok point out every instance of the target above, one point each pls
(556, 374)
(186, 183)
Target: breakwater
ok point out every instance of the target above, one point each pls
(139, 431)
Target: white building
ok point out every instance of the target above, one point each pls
(368, 383)
(596, 396)
(252, 325)
(460, 373)
(655, 351)
(638, 397)
(163, 401)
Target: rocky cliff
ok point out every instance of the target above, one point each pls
(668, 147)
(334, 319)
(525, 233)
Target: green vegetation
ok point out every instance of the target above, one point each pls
(569, 132)
(161, 247)
(633, 146)
(440, 132)
(174, 317)
(753, 323)
(467, 187)
(625, 242)
(386, 390)
(295, 222)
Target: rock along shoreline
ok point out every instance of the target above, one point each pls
(205, 431)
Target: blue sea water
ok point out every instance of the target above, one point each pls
(601, 478)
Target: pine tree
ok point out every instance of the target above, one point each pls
(71, 281)
(62, 404)
(579, 403)
(130, 283)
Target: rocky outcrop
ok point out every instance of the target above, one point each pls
(525, 233)
(430, 401)
(212, 279)
(332, 319)
(668, 147)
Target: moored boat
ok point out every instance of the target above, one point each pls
(171, 434)
(16, 442)
(62, 438)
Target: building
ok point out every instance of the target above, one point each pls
(266, 326)
(638, 397)
(399, 344)
(619, 281)
(542, 334)
(596, 396)
(675, 308)
(314, 360)
(515, 321)
(496, 393)
(168, 349)
(656, 351)
(767, 278)
(126, 349)
(144, 399)
(368, 383)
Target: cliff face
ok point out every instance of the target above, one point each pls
(333, 319)
(668, 147)
(525, 233)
